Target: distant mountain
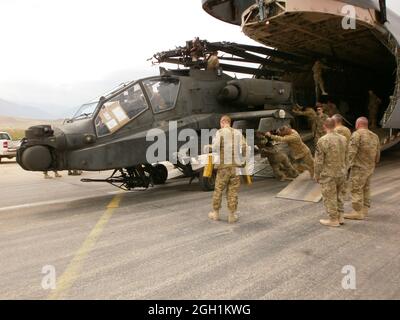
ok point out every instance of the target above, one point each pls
(7, 122)
(12, 109)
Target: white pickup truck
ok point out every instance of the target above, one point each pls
(8, 147)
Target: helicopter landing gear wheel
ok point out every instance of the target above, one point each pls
(207, 184)
(160, 174)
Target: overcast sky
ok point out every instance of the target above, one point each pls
(65, 52)
(62, 53)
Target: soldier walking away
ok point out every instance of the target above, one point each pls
(318, 79)
(47, 176)
(373, 108)
(330, 172)
(228, 144)
(364, 155)
(299, 152)
(279, 161)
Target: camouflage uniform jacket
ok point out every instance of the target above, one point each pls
(374, 101)
(331, 156)
(319, 125)
(213, 63)
(330, 109)
(260, 142)
(364, 151)
(231, 147)
(310, 114)
(296, 145)
(344, 131)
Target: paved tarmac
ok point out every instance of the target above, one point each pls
(159, 244)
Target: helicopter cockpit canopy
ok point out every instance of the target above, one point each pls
(133, 100)
(86, 110)
(117, 111)
(162, 93)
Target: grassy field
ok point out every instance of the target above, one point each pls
(17, 126)
(16, 134)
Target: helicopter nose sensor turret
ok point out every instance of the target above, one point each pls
(37, 148)
(36, 158)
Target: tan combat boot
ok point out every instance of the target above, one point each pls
(57, 175)
(46, 176)
(233, 218)
(365, 212)
(214, 215)
(355, 215)
(330, 222)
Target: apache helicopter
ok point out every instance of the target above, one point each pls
(110, 132)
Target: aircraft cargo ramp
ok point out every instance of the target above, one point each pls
(303, 188)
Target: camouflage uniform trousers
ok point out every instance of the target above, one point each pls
(305, 163)
(229, 180)
(316, 139)
(347, 189)
(283, 169)
(319, 84)
(373, 115)
(360, 189)
(333, 192)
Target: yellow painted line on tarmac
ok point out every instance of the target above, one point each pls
(71, 274)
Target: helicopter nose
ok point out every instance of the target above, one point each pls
(36, 158)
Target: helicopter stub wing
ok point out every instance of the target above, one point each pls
(266, 120)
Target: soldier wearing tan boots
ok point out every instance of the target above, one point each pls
(364, 155)
(229, 144)
(330, 172)
(299, 152)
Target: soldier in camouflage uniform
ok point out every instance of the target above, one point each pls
(311, 116)
(318, 79)
(330, 172)
(330, 108)
(213, 61)
(364, 154)
(228, 144)
(279, 161)
(340, 128)
(299, 152)
(319, 124)
(345, 132)
(197, 50)
(373, 108)
(56, 175)
(307, 112)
